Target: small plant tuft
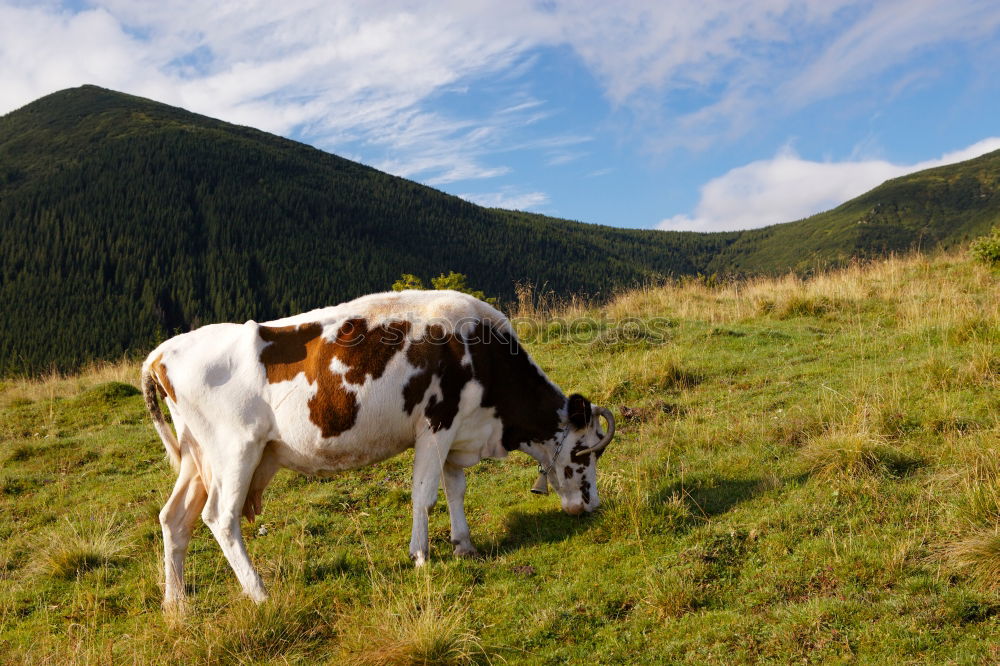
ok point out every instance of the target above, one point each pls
(673, 594)
(22, 453)
(88, 544)
(979, 556)
(804, 306)
(108, 393)
(418, 628)
(855, 454)
(283, 628)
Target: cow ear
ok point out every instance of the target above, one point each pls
(578, 411)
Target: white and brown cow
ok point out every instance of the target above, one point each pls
(347, 386)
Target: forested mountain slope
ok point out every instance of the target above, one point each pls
(122, 219)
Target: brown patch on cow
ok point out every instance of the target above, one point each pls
(367, 352)
(303, 349)
(585, 490)
(440, 355)
(290, 347)
(568, 472)
(159, 373)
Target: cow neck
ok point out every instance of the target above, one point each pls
(526, 402)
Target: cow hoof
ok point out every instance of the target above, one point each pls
(175, 608)
(418, 559)
(466, 550)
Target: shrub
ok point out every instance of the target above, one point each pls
(986, 249)
(407, 281)
(453, 280)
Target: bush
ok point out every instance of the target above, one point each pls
(986, 249)
(453, 280)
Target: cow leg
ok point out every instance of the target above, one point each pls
(454, 491)
(430, 452)
(227, 495)
(177, 521)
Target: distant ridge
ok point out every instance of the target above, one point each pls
(123, 220)
(938, 208)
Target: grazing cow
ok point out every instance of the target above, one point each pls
(347, 386)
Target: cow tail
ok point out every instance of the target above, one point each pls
(149, 393)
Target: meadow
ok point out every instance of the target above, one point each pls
(805, 471)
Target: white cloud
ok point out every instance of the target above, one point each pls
(335, 73)
(788, 188)
(508, 198)
(367, 77)
(43, 50)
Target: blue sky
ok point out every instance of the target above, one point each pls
(708, 115)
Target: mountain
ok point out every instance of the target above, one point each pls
(933, 209)
(123, 220)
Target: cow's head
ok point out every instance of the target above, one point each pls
(569, 462)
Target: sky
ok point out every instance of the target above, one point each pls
(705, 115)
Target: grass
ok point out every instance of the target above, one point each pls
(84, 546)
(413, 626)
(804, 471)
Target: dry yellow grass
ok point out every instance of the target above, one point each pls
(911, 283)
(415, 627)
(62, 385)
(80, 545)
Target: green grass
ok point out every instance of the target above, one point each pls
(808, 473)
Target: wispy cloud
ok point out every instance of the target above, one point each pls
(368, 78)
(557, 159)
(885, 37)
(787, 188)
(334, 73)
(508, 198)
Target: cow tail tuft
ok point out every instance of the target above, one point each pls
(149, 393)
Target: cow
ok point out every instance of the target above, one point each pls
(351, 385)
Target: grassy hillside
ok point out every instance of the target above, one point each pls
(122, 219)
(938, 208)
(807, 471)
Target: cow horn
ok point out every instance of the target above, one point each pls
(609, 417)
(541, 486)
